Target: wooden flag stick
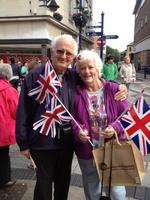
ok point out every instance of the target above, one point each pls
(33, 163)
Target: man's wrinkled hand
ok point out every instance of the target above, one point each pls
(26, 153)
(122, 93)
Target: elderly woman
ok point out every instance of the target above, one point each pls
(96, 111)
(8, 104)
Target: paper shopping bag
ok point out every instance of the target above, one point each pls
(127, 164)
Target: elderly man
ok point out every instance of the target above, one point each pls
(52, 156)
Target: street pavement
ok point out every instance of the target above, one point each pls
(25, 176)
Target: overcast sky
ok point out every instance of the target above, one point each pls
(118, 20)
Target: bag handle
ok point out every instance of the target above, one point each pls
(104, 167)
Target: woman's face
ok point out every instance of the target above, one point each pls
(88, 72)
(127, 60)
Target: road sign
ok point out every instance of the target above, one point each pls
(111, 36)
(93, 34)
(101, 42)
(94, 26)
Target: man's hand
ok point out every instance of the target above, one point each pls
(26, 153)
(83, 136)
(122, 93)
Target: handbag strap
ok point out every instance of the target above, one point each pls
(102, 168)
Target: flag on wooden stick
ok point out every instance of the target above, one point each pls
(136, 123)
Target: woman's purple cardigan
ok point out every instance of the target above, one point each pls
(113, 109)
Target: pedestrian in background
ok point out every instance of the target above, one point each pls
(110, 69)
(8, 105)
(24, 69)
(96, 111)
(127, 72)
(33, 64)
(16, 73)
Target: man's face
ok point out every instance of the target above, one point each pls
(62, 56)
(19, 64)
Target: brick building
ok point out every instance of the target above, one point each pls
(26, 28)
(142, 33)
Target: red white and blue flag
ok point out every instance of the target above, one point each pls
(48, 84)
(57, 114)
(136, 123)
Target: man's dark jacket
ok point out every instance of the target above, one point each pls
(29, 112)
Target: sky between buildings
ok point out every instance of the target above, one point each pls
(118, 20)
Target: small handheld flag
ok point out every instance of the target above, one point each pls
(47, 84)
(136, 123)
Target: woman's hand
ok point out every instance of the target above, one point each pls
(109, 132)
(83, 136)
(122, 93)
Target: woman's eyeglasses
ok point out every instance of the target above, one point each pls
(63, 51)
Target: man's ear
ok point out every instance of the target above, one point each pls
(75, 59)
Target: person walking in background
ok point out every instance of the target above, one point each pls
(15, 67)
(96, 110)
(33, 64)
(24, 69)
(8, 106)
(127, 72)
(16, 73)
(110, 69)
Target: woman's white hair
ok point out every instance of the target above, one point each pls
(89, 55)
(66, 38)
(6, 70)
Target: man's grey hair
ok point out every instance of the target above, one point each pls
(89, 55)
(6, 70)
(66, 38)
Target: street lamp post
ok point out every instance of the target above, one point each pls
(80, 28)
(101, 40)
(102, 34)
(52, 6)
(80, 18)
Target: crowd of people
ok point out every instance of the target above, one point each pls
(89, 91)
(20, 70)
(125, 72)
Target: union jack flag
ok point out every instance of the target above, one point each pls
(47, 84)
(136, 123)
(49, 118)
